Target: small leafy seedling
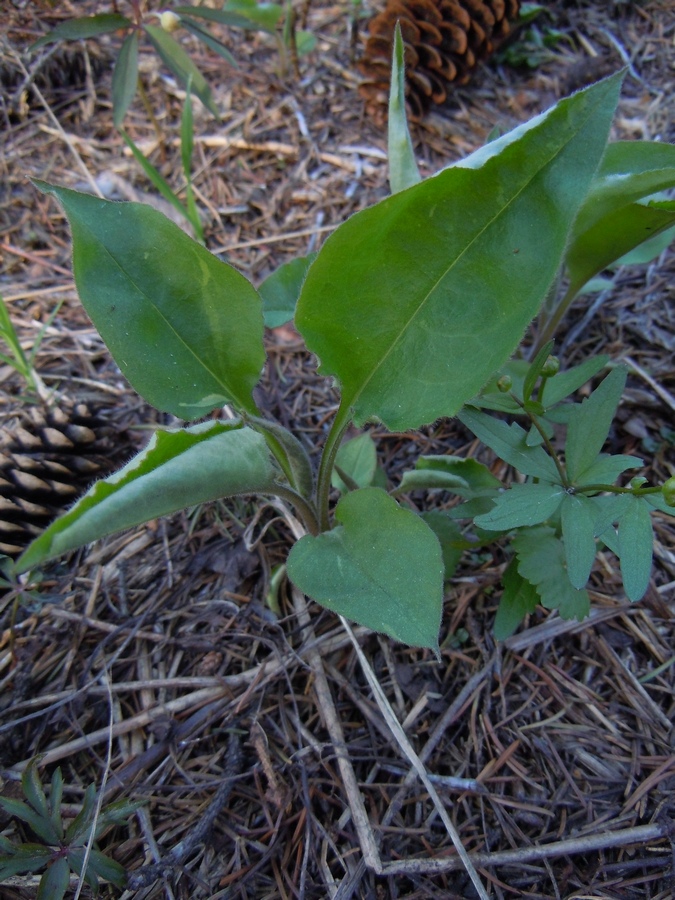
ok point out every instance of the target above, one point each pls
(60, 849)
(411, 306)
(245, 14)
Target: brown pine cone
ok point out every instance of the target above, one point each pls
(444, 40)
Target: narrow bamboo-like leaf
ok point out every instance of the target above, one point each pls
(177, 469)
(541, 561)
(590, 422)
(86, 27)
(281, 289)
(431, 289)
(519, 599)
(208, 39)
(636, 543)
(510, 443)
(381, 567)
(450, 537)
(24, 858)
(79, 830)
(176, 59)
(358, 459)
(185, 328)
(565, 383)
(628, 171)
(613, 236)
(55, 797)
(187, 143)
(125, 78)
(403, 171)
(522, 504)
(250, 15)
(577, 519)
(606, 469)
(54, 883)
(106, 868)
(156, 177)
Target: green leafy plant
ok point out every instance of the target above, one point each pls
(411, 306)
(16, 358)
(245, 14)
(60, 849)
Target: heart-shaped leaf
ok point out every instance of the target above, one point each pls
(382, 567)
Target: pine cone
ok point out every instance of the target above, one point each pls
(46, 462)
(444, 40)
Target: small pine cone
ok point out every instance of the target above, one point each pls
(47, 461)
(444, 40)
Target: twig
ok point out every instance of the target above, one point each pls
(405, 745)
(146, 875)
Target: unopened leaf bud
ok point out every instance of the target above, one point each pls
(668, 491)
(551, 367)
(504, 384)
(169, 20)
(637, 482)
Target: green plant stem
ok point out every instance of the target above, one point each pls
(303, 507)
(335, 435)
(613, 489)
(554, 320)
(148, 108)
(547, 441)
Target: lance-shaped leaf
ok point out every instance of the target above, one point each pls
(381, 567)
(185, 328)
(85, 27)
(403, 171)
(208, 39)
(565, 383)
(464, 477)
(590, 422)
(612, 237)
(636, 541)
(518, 600)
(176, 59)
(357, 460)
(578, 520)
(125, 78)
(510, 443)
(281, 289)
(177, 469)
(628, 171)
(413, 303)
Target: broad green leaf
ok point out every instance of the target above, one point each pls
(33, 790)
(541, 561)
(578, 520)
(450, 537)
(176, 59)
(519, 599)
(41, 825)
(125, 78)
(648, 250)
(357, 458)
(185, 328)
(565, 383)
(612, 237)
(464, 477)
(403, 171)
(636, 544)
(413, 303)
(86, 27)
(606, 469)
(177, 469)
(381, 567)
(509, 442)
(54, 883)
(206, 38)
(281, 289)
(522, 504)
(628, 171)
(590, 421)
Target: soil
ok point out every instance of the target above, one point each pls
(153, 666)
